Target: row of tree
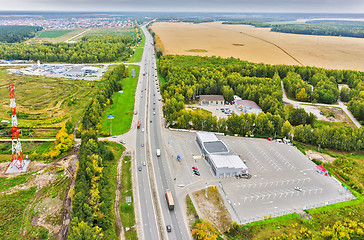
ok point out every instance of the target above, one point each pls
(328, 28)
(91, 49)
(12, 34)
(91, 209)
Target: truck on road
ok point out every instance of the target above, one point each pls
(169, 199)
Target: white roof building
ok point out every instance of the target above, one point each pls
(248, 106)
(217, 154)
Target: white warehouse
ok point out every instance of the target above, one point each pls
(216, 153)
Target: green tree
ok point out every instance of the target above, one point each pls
(286, 129)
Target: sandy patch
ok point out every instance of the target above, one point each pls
(48, 209)
(41, 180)
(261, 45)
(320, 156)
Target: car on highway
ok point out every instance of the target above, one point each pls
(142, 129)
(150, 121)
(298, 189)
(154, 102)
(169, 228)
(153, 113)
(140, 168)
(153, 108)
(142, 145)
(144, 164)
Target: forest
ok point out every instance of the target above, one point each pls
(91, 49)
(92, 211)
(13, 34)
(313, 27)
(326, 28)
(189, 76)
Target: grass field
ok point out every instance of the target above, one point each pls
(192, 215)
(28, 148)
(110, 172)
(44, 102)
(23, 212)
(196, 50)
(123, 106)
(127, 209)
(52, 33)
(260, 45)
(137, 56)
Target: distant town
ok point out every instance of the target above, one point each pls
(68, 23)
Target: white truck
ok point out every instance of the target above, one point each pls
(158, 152)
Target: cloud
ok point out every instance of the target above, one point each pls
(337, 6)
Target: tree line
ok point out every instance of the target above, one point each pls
(13, 34)
(314, 27)
(91, 49)
(92, 211)
(189, 76)
(326, 28)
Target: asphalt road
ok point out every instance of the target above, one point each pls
(147, 211)
(161, 167)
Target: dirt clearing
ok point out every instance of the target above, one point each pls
(261, 45)
(212, 208)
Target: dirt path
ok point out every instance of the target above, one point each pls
(67, 214)
(277, 46)
(119, 223)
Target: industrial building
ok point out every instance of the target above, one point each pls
(212, 100)
(216, 153)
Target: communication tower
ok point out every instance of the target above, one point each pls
(18, 164)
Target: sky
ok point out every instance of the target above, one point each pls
(293, 6)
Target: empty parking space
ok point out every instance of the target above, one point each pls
(283, 179)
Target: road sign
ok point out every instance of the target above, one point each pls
(110, 117)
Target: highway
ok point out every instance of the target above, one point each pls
(160, 164)
(148, 219)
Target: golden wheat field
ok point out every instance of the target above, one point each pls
(260, 45)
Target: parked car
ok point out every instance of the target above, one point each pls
(298, 189)
(196, 172)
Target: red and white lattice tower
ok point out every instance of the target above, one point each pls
(17, 153)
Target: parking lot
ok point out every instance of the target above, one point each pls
(220, 111)
(283, 179)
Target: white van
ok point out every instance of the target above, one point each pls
(158, 152)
